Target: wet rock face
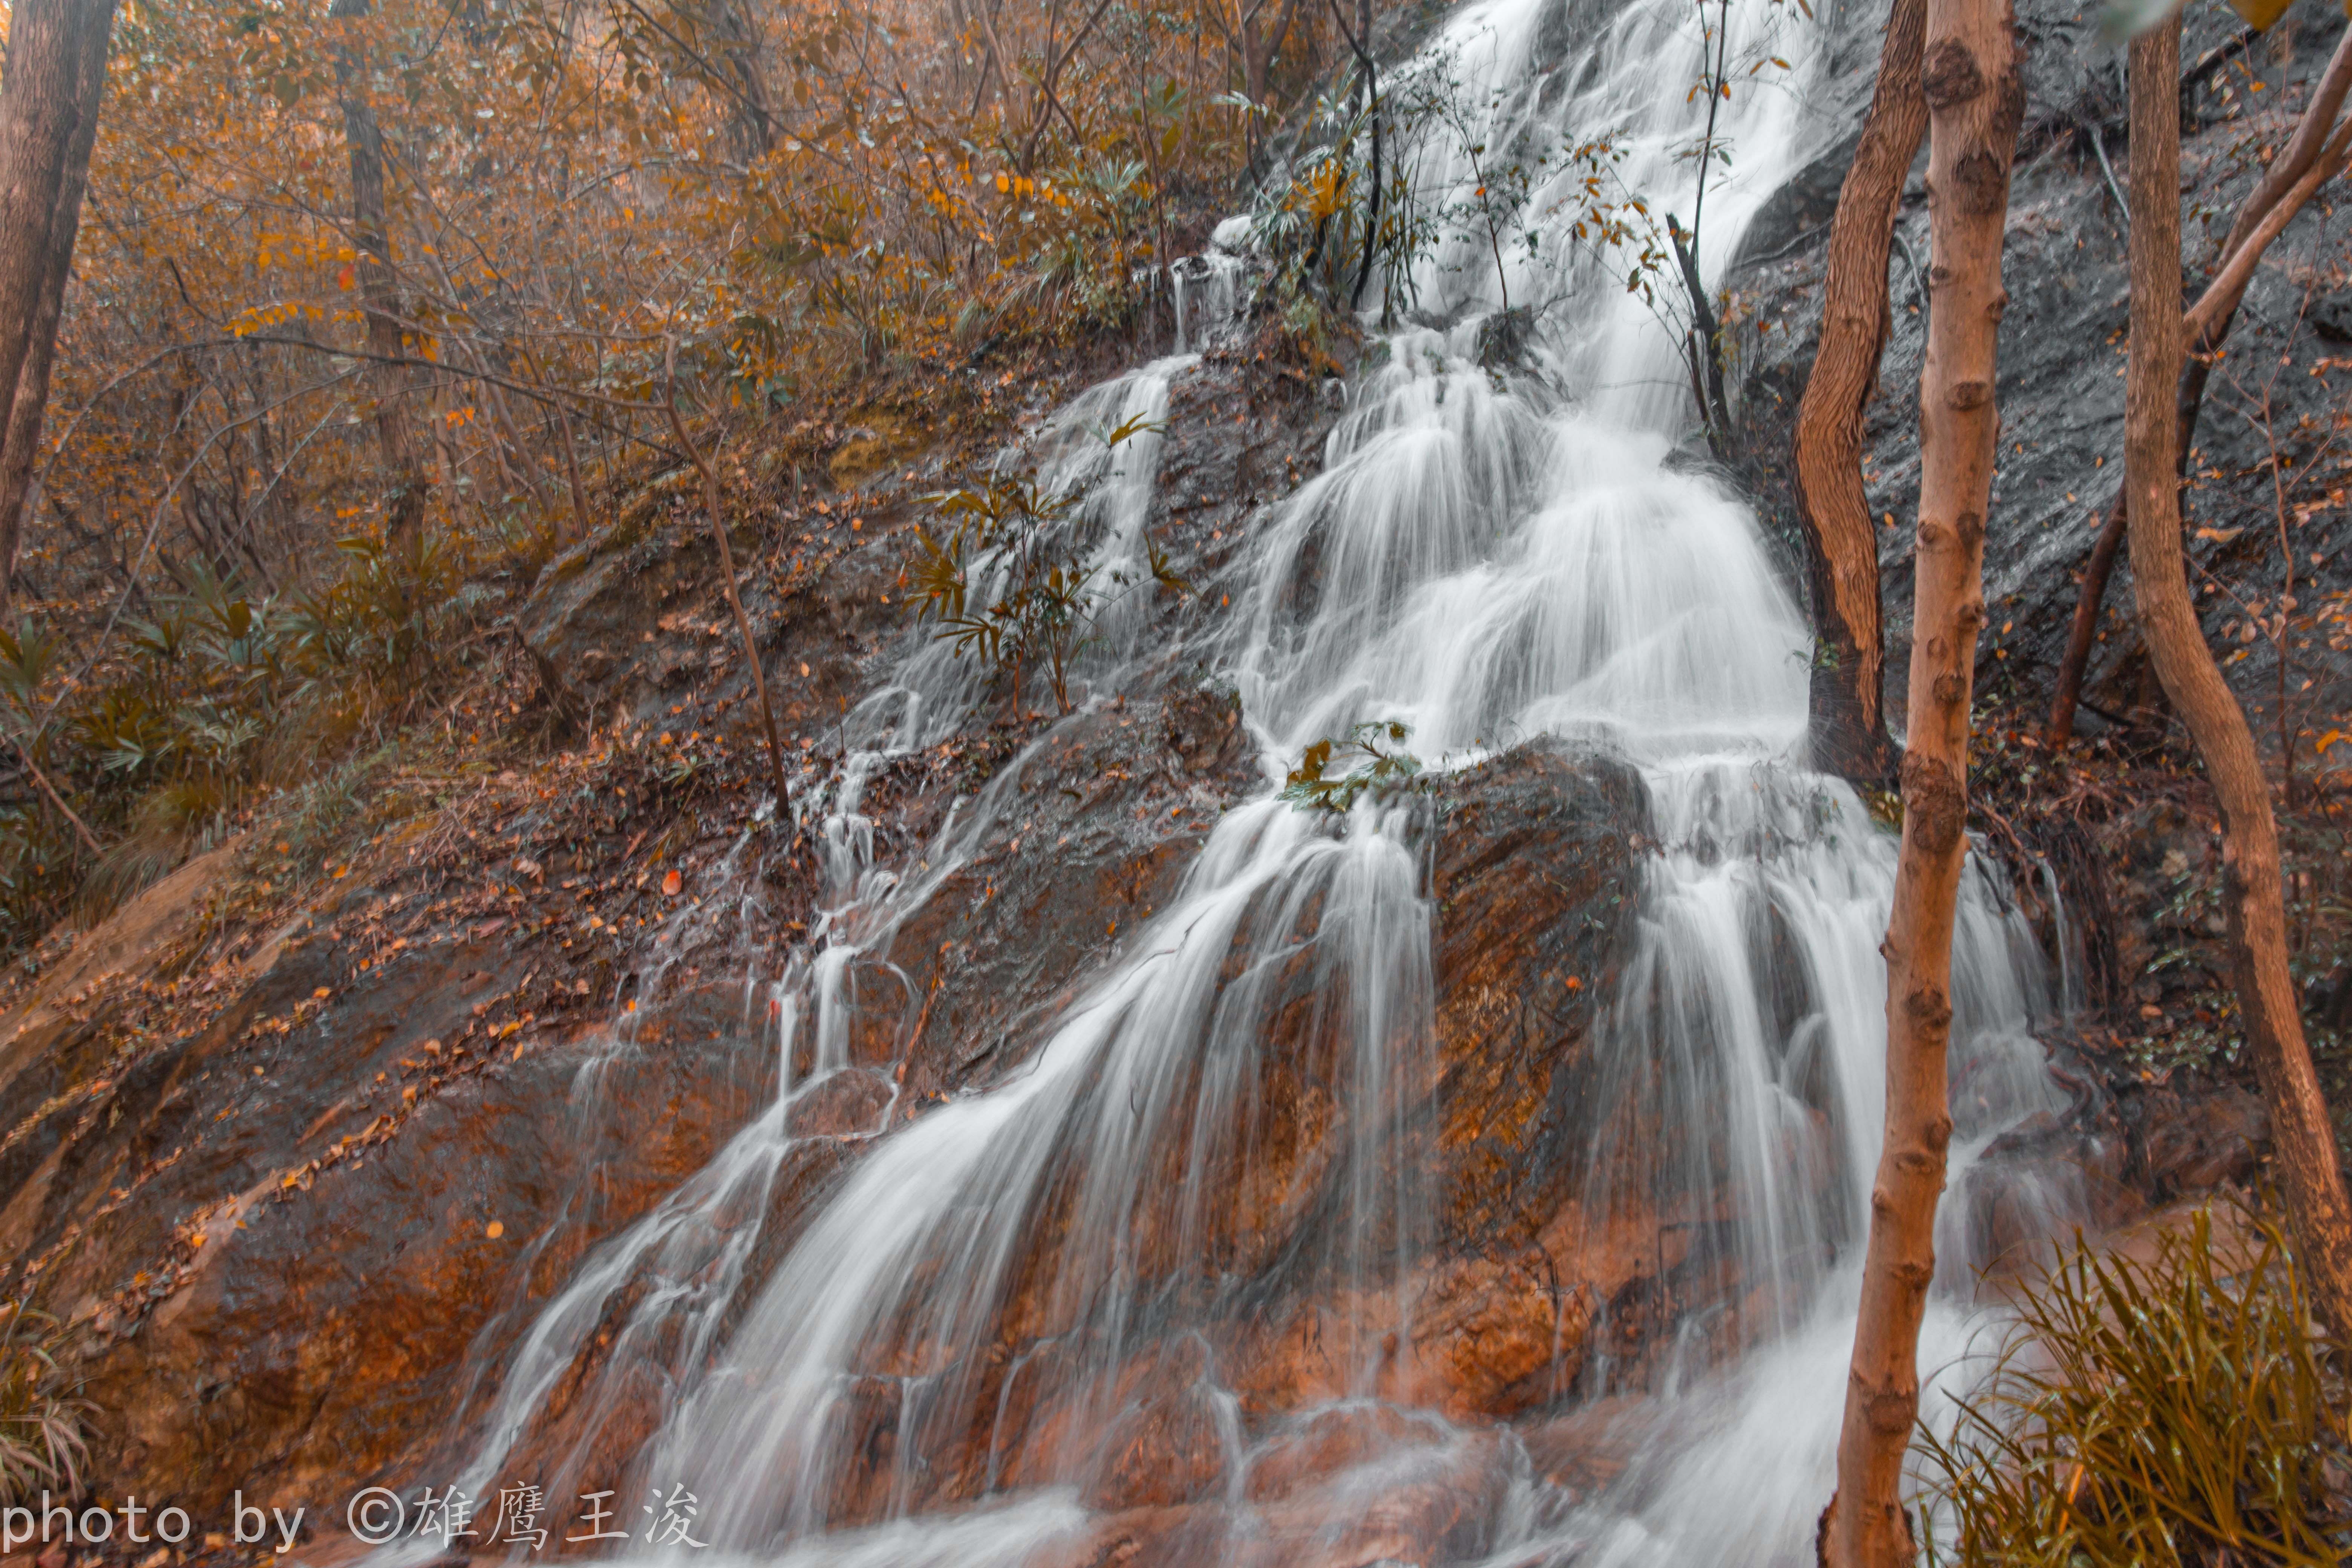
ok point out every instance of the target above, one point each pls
(1532, 859)
(290, 1273)
(1531, 866)
(1238, 437)
(2191, 1143)
(2061, 386)
(1093, 827)
(281, 1237)
(636, 620)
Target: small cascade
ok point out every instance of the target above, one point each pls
(1206, 291)
(685, 1262)
(930, 1360)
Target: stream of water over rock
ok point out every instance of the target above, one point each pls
(929, 1371)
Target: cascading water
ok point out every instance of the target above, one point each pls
(1205, 296)
(931, 1370)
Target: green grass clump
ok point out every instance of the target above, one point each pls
(44, 1427)
(2171, 1411)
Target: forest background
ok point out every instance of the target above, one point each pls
(372, 298)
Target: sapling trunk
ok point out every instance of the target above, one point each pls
(1368, 86)
(2302, 1139)
(2311, 158)
(572, 472)
(1848, 720)
(1975, 101)
(710, 504)
(379, 286)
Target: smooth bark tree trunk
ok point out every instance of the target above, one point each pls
(2304, 152)
(2301, 1141)
(49, 120)
(1975, 101)
(379, 288)
(2287, 180)
(1848, 720)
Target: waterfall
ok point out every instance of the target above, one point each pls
(1205, 294)
(932, 1368)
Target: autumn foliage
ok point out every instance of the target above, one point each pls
(373, 300)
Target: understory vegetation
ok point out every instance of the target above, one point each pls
(379, 308)
(2170, 1406)
(43, 1438)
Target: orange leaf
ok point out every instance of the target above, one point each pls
(670, 884)
(346, 279)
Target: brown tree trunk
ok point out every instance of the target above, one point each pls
(379, 286)
(579, 526)
(1704, 341)
(1975, 100)
(711, 504)
(2301, 1141)
(2287, 180)
(48, 120)
(744, 56)
(1849, 724)
(2302, 150)
(2084, 631)
(2280, 183)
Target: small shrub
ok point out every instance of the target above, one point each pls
(1012, 584)
(227, 696)
(2161, 1412)
(1312, 786)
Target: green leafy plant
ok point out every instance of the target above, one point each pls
(224, 695)
(43, 1424)
(1455, 174)
(2157, 1412)
(1366, 767)
(1012, 584)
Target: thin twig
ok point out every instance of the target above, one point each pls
(54, 798)
(1919, 273)
(2114, 189)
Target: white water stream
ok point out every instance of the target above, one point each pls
(1487, 560)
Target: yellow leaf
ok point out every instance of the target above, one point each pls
(2260, 14)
